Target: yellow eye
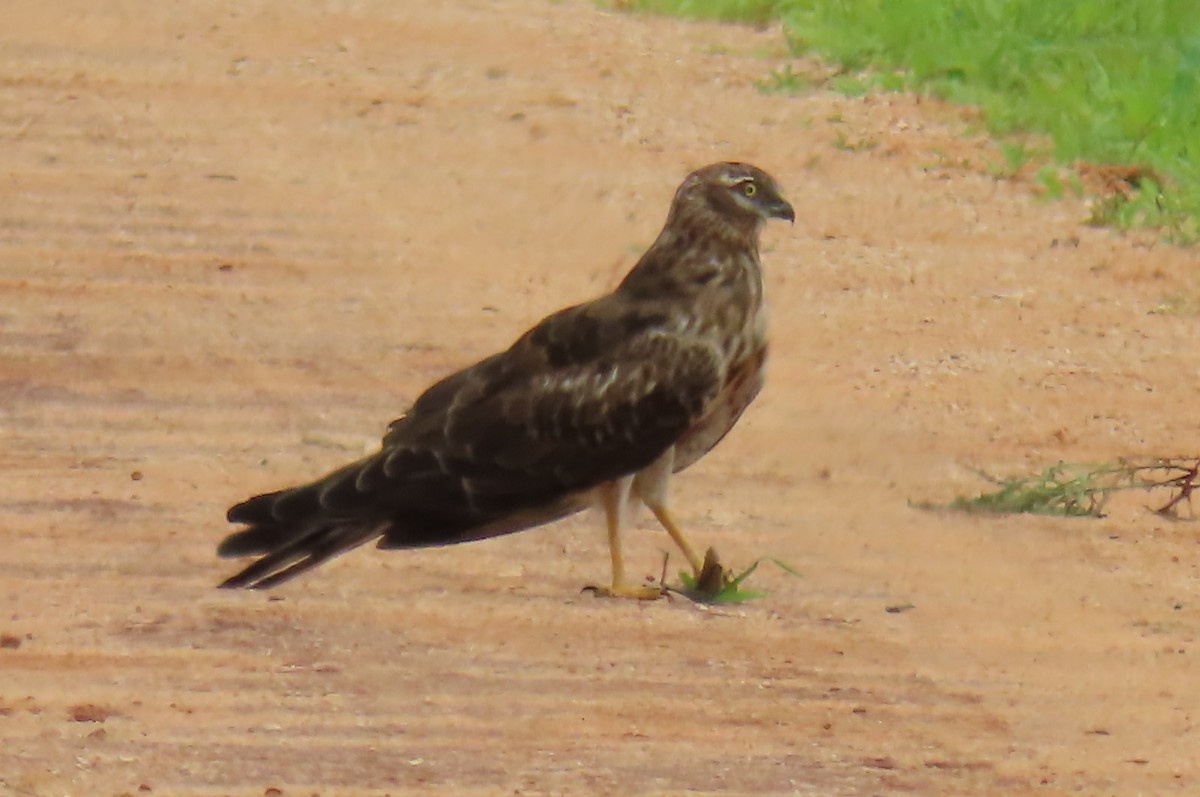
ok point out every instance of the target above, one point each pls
(749, 189)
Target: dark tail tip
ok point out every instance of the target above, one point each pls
(254, 541)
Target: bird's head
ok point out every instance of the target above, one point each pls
(741, 195)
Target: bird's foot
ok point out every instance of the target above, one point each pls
(649, 592)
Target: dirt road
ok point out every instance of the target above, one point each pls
(237, 238)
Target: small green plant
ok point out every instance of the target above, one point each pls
(1016, 155)
(1106, 211)
(715, 585)
(1179, 304)
(1077, 490)
(850, 85)
(1059, 490)
(846, 144)
(1057, 181)
(783, 81)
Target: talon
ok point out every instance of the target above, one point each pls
(650, 592)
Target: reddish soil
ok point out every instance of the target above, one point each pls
(237, 238)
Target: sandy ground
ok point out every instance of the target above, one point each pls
(237, 238)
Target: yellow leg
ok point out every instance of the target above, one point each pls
(652, 485)
(668, 523)
(615, 496)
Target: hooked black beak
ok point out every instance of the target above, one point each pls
(780, 209)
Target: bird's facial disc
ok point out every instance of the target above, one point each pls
(760, 197)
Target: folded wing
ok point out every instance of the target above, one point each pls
(592, 393)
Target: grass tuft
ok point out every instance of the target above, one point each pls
(715, 585)
(784, 81)
(1179, 304)
(1059, 490)
(1076, 490)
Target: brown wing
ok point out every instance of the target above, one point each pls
(592, 393)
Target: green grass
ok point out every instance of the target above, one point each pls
(784, 81)
(1179, 304)
(1111, 81)
(716, 585)
(1077, 490)
(1069, 490)
(754, 11)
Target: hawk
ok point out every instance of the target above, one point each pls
(598, 403)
